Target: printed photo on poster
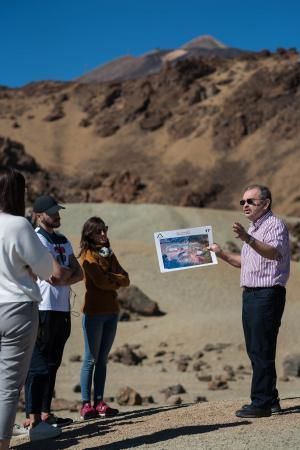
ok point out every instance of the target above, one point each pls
(184, 249)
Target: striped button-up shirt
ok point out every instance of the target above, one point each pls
(257, 271)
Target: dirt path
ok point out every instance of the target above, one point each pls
(211, 425)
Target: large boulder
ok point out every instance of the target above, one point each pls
(133, 299)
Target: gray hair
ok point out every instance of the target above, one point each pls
(265, 192)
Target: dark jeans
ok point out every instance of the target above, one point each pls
(54, 331)
(262, 312)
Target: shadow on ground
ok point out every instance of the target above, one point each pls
(92, 429)
(166, 435)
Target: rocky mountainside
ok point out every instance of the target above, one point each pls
(132, 67)
(193, 134)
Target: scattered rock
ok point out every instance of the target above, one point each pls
(215, 385)
(200, 399)
(126, 355)
(134, 300)
(182, 366)
(198, 365)
(291, 365)
(128, 396)
(173, 390)
(230, 373)
(243, 370)
(148, 399)
(204, 377)
(215, 347)
(199, 354)
(174, 400)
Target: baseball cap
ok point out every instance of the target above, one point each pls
(46, 204)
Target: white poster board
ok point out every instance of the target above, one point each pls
(184, 249)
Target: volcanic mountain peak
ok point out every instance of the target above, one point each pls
(206, 42)
(135, 67)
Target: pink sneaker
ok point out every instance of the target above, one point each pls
(104, 410)
(88, 412)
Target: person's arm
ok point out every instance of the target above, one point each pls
(233, 259)
(100, 278)
(37, 260)
(68, 275)
(263, 249)
(118, 273)
(77, 273)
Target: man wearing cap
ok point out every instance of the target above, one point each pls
(54, 311)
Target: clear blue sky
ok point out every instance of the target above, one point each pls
(62, 39)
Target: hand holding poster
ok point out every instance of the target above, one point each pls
(184, 249)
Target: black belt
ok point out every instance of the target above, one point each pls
(252, 289)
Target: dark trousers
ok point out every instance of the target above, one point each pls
(54, 331)
(262, 312)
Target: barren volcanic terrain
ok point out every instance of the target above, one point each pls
(193, 134)
(188, 368)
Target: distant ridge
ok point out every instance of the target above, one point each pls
(131, 67)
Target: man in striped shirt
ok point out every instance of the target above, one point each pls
(265, 267)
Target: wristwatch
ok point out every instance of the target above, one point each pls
(250, 239)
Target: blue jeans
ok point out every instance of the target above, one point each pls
(99, 332)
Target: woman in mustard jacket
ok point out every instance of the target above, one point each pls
(103, 276)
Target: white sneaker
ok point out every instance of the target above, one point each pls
(43, 431)
(19, 430)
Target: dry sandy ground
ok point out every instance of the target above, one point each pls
(203, 426)
(202, 306)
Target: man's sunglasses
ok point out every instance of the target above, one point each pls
(250, 201)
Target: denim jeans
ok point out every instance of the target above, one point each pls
(262, 313)
(99, 332)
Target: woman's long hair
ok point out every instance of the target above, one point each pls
(12, 192)
(92, 226)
